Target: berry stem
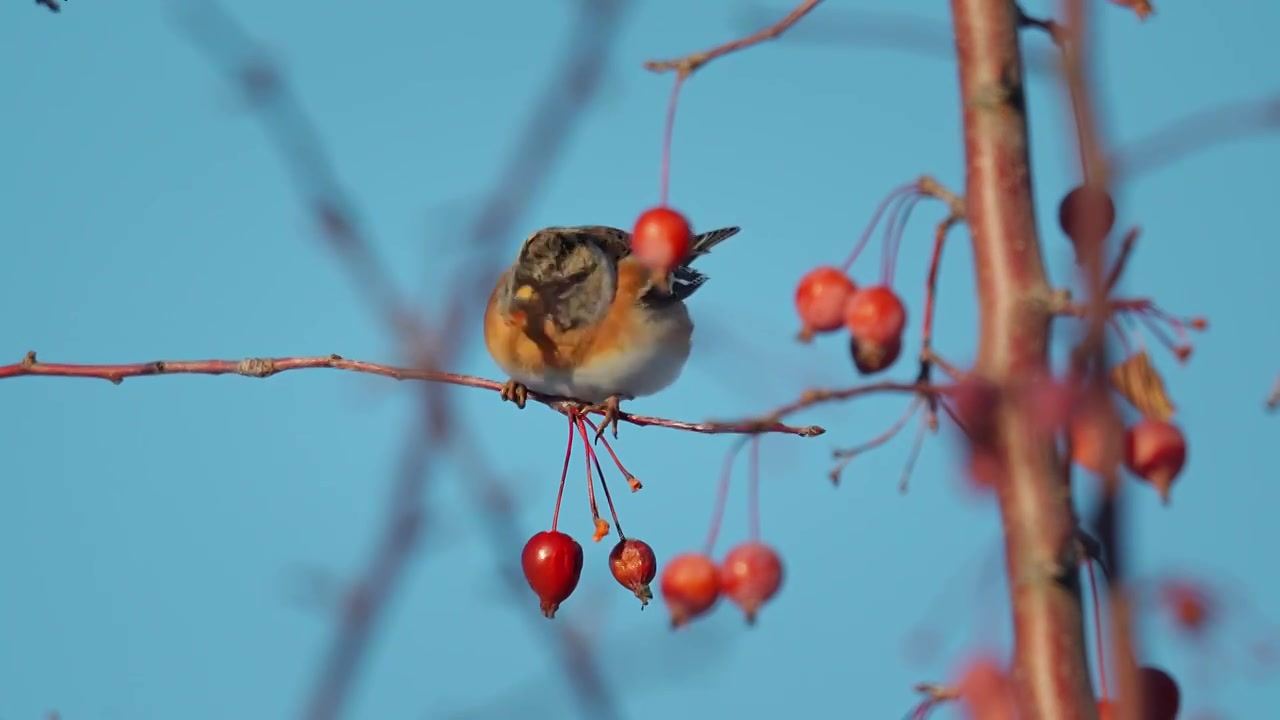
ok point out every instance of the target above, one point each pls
(564, 475)
(1097, 630)
(1120, 333)
(931, 284)
(875, 221)
(722, 493)
(917, 444)
(753, 490)
(631, 479)
(1126, 249)
(883, 437)
(604, 485)
(601, 527)
(664, 180)
(893, 232)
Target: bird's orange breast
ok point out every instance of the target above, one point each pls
(518, 348)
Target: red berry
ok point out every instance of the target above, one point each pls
(1087, 214)
(634, 566)
(750, 575)
(1161, 697)
(1155, 451)
(661, 239)
(985, 691)
(871, 358)
(875, 315)
(1092, 441)
(552, 563)
(690, 587)
(821, 297)
(1190, 604)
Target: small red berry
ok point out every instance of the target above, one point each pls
(985, 690)
(1092, 441)
(750, 575)
(875, 315)
(634, 566)
(1087, 213)
(552, 563)
(690, 587)
(821, 297)
(1155, 451)
(1191, 605)
(1106, 710)
(871, 358)
(1161, 697)
(661, 239)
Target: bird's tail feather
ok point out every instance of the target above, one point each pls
(703, 243)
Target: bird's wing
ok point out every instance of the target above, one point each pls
(684, 280)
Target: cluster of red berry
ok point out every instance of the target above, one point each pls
(827, 299)
(750, 575)
(1154, 449)
(552, 563)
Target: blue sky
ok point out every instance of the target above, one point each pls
(156, 537)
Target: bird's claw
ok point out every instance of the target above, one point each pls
(515, 392)
(610, 411)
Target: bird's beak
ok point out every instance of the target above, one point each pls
(525, 301)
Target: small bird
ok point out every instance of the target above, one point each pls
(577, 316)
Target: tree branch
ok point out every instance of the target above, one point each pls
(1050, 671)
(266, 367)
(689, 64)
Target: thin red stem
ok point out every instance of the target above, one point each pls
(917, 444)
(1122, 259)
(931, 284)
(893, 233)
(564, 475)
(722, 494)
(631, 479)
(1120, 332)
(890, 224)
(1161, 336)
(1097, 630)
(591, 486)
(604, 485)
(875, 221)
(664, 181)
(753, 490)
(885, 436)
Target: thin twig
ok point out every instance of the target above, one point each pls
(821, 396)
(955, 203)
(689, 64)
(266, 367)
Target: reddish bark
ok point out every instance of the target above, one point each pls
(1050, 670)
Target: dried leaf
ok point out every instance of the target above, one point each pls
(1138, 381)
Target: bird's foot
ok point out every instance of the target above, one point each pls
(515, 392)
(611, 412)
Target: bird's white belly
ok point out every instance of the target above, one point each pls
(637, 372)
